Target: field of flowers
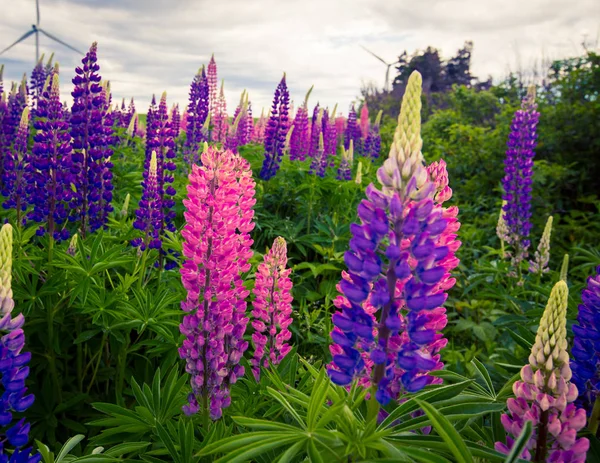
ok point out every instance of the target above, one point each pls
(185, 286)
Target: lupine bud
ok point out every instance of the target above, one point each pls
(125, 208)
(345, 170)
(358, 179)
(544, 395)
(564, 269)
(586, 344)
(276, 131)
(517, 181)
(13, 364)
(72, 245)
(272, 309)
(219, 219)
(542, 256)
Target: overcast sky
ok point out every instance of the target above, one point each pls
(149, 46)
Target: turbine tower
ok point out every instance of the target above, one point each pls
(36, 29)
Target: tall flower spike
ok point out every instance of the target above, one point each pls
(17, 171)
(197, 112)
(149, 215)
(345, 170)
(353, 133)
(276, 131)
(13, 365)
(91, 130)
(220, 120)
(212, 85)
(518, 168)
(545, 395)
(272, 314)
(219, 219)
(364, 121)
(386, 333)
(539, 264)
(372, 143)
(300, 141)
(53, 176)
(586, 349)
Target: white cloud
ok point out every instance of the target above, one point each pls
(149, 46)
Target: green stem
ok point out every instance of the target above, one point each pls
(120, 378)
(91, 383)
(51, 353)
(205, 412)
(79, 355)
(372, 407)
(310, 203)
(595, 417)
(542, 438)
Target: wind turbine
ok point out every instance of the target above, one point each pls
(36, 29)
(387, 72)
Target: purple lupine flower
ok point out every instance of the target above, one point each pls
(353, 133)
(91, 129)
(213, 82)
(244, 113)
(175, 121)
(345, 169)
(197, 112)
(17, 170)
(127, 115)
(276, 131)
(372, 145)
(300, 141)
(330, 137)
(1, 79)
(50, 182)
(13, 365)
(149, 215)
(586, 345)
(319, 162)
(315, 130)
(399, 266)
(518, 176)
(151, 128)
(17, 101)
(37, 82)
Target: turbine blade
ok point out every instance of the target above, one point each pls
(387, 78)
(37, 11)
(23, 37)
(56, 39)
(371, 53)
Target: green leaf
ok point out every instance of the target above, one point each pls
(69, 445)
(447, 432)
(520, 443)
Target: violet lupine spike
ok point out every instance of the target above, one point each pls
(197, 112)
(586, 347)
(345, 169)
(372, 143)
(276, 131)
(13, 365)
(353, 133)
(300, 141)
(401, 255)
(53, 176)
(17, 171)
(128, 115)
(219, 219)
(518, 177)
(315, 129)
(213, 83)
(17, 101)
(151, 128)
(175, 121)
(545, 394)
(37, 81)
(91, 130)
(149, 214)
(319, 161)
(243, 128)
(220, 119)
(330, 137)
(272, 313)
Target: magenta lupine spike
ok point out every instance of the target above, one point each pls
(272, 314)
(364, 121)
(545, 394)
(219, 219)
(220, 119)
(316, 127)
(300, 141)
(249, 124)
(387, 334)
(258, 131)
(213, 83)
(340, 127)
(330, 137)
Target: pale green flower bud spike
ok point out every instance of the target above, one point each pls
(549, 352)
(6, 244)
(564, 270)
(125, 207)
(358, 179)
(378, 118)
(132, 124)
(308, 95)
(153, 164)
(351, 154)
(288, 138)
(72, 245)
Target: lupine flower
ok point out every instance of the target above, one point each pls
(13, 365)
(258, 132)
(213, 82)
(37, 81)
(220, 120)
(197, 112)
(501, 228)
(149, 217)
(387, 333)
(345, 170)
(353, 133)
(175, 120)
(364, 121)
(300, 141)
(272, 314)
(17, 170)
(564, 268)
(330, 138)
(540, 262)
(1, 79)
(128, 115)
(545, 395)
(17, 101)
(91, 129)
(72, 245)
(340, 128)
(244, 126)
(276, 131)
(586, 345)
(219, 219)
(52, 180)
(316, 126)
(517, 181)
(319, 162)
(125, 208)
(358, 179)
(372, 143)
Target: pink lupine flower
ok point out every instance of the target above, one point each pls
(220, 119)
(219, 219)
(364, 121)
(272, 309)
(213, 83)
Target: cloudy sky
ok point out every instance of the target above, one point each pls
(149, 46)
